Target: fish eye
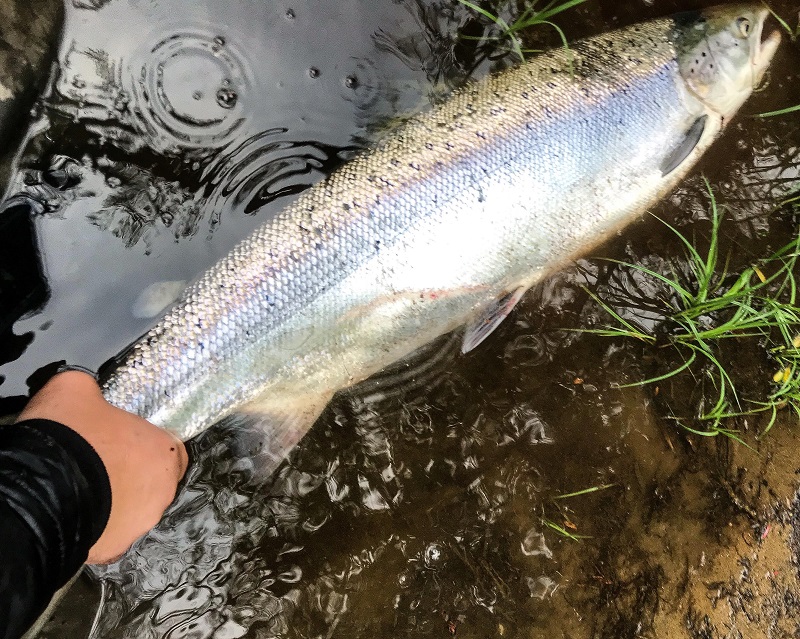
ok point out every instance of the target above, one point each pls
(744, 27)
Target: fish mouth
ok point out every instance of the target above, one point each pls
(765, 49)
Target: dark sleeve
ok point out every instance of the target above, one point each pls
(55, 500)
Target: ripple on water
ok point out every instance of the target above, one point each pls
(264, 167)
(190, 89)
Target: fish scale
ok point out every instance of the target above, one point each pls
(510, 179)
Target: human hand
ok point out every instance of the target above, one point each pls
(144, 463)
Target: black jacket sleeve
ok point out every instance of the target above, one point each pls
(55, 500)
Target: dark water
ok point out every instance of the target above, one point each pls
(416, 509)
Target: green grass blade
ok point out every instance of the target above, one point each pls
(632, 330)
(673, 284)
(486, 14)
(792, 34)
(563, 531)
(661, 378)
(547, 13)
(786, 111)
(585, 491)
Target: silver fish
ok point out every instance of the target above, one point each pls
(449, 221)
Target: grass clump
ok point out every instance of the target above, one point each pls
(530, 17)
(706, 306)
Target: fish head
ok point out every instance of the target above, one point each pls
(721, 54)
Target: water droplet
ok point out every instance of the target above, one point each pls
(351, 82)
(290, 15)
(219, 41)
(78, 82)
(313, 72)
(197, 95)
(227, 97)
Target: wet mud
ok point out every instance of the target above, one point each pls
(429, 502)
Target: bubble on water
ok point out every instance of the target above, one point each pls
(313, 72)
(290, 14)
(78, 82)
(534, 545)
(351, 82)
(226, 97)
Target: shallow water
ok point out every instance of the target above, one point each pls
(420, 505)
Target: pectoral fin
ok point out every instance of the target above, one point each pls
(686, 146)
(489, 319)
